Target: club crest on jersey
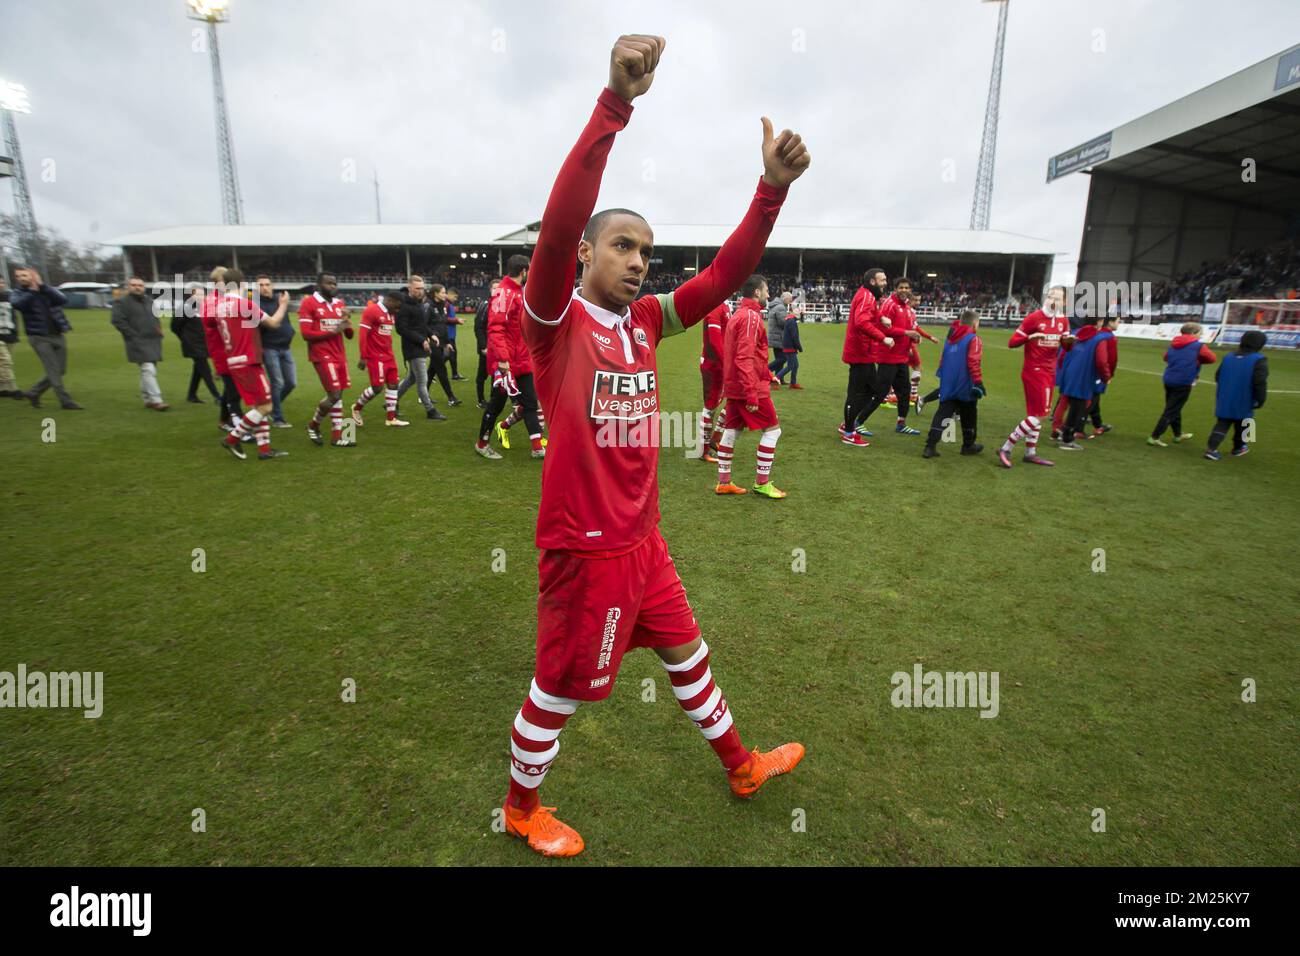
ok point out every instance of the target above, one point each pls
(624, 395)
(638, 336)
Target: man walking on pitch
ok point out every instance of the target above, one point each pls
(418, 343)
(711, 376)
(748, 388)
(858, 354)
(377, 358)
(892, 334)
(481, 341)
(607, 583)
(324, 323)
(1183, 361)
(239, 323)
(1041, 335)
(277, 355)
(133, 316)
(508, 358)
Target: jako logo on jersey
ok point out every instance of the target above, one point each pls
(607, 638)
(624, 395)
(604, 340)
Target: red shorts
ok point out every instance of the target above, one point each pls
(382, 372)
(333, 375)
(591, 611)
(740, 417)
(1038, 392)
(253, 385)
(712, 378)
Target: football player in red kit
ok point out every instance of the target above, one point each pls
(606, 581)
(324, 323)
(1041, 335)
(510, 363)
(747, 384)
(377, 358)
(715, 327)
(239, 322)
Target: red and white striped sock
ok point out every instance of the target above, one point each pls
(336, 420)
(534, 743)
(726, 449)
(536, 441)
(1023, 430)
(1031, 434)
(514, 416)
(766, 454)
(246, 425)
(263, 435)
(541, 418)
(702, 699)
(706, 426)
(916, 385)
(366, 396)
(390, 402)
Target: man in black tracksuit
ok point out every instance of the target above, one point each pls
(480, 341)
(412, 326)
(438, 354)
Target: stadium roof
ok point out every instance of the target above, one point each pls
(845, 238)
(1197, 144)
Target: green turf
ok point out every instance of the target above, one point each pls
(1119, 690)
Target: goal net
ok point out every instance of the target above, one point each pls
(1278, 319)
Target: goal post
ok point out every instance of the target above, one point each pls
(1278, 319)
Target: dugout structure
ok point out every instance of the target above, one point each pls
(1198, 180)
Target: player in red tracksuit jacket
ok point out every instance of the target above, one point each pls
(747, 384)
(323, 321)
(606, 581)
(857, 353)
(376, 341)
(1041, 335)
(892, 335)
(715, 326)
(509, 362)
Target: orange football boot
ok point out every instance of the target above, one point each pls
(761, 767)
(545, 834)
(730, 488)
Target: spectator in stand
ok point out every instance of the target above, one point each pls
(45, 326)
(277, 355)
(133, 316)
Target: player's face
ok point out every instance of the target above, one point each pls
(904, 292)
(615, 265)
(329, 285)
(1055, 300)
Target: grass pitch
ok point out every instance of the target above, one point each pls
(1119, 690)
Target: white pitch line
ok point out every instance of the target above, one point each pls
(1142, 371)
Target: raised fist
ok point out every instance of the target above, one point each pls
(632, 64)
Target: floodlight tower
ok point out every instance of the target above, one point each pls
(979, 213)
(13, 99)
(213, 12)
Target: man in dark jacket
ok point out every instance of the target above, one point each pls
(481, 340)
(277, 355)
(45, 325)
(133, 316)
(439, 354)
(418, 342)
(187, 326)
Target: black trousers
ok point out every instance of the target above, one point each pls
(1221, 431)
(452, 359)
(481, 376)
(438, 370)
(1094, 411)
(966, 411)
(885, 377)
(230, 404)
(527, 398)
(202, 372)
(862, 379)
(1075, 417)
(1172, 417)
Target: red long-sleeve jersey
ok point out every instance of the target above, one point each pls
(902, 319)
(322, 325)
(857, 343)
(744, 363)
(505, 329)
(715, 326)
(596, 370)
(376, 338)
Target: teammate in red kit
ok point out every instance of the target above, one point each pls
(748, 387)
(715, 328)
(239, 325)
(324, 323)
(230, 409)
(606, 581)
(377, 358)
(1041, 335)
(510, 363)
(858, 355)
(892, 334)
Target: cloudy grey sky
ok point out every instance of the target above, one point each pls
(466, 109)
